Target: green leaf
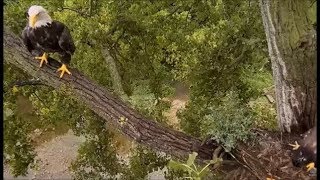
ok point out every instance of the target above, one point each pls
(176, 165)
(191, 158)
(8, 112)
(205, 170)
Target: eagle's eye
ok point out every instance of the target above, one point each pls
(26, 14)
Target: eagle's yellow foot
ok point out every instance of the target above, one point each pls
(310, 166)
(63, 70)
(43, 58)
(295, 145)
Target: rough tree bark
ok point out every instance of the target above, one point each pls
(291, 37)
(125, 119)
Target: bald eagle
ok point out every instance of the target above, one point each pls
(42, 36)
(305, 151)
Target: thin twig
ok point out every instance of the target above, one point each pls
(43, 103)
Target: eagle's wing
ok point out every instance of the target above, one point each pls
(65, 41)
(26, 40)
(67, 45)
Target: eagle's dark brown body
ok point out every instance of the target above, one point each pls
(54, 37)
(307, 151)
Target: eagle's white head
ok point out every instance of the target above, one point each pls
(38, 17)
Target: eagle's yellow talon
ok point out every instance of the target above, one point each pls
(310, 166)
(63, 70)
(43, 58)
(295, 145)
(270, 178)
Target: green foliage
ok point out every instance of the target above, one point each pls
(18, 151)
(254, 83)
(97, 156)
(142, 162)
(145, 101)
(193, 171)
(265, 113)
(228, 122)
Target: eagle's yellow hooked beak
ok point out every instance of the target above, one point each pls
(33, 20)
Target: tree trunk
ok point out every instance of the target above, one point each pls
(291, 41)
(114, 73)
